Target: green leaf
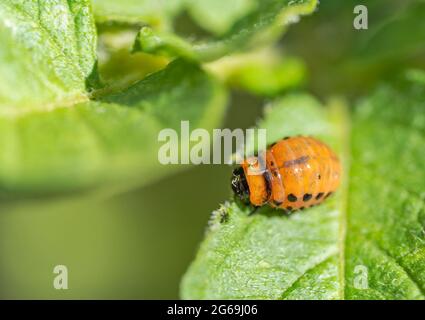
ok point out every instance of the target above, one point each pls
(266, 72)
(366, 242)
(55, 136)
(263, 26)
(118, 67)
(102, 141)
(152, 12)
(361, 57)
(416, 75)
(374, 54)
(47, 54)
(386, 217)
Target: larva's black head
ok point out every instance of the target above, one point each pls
(240, 185)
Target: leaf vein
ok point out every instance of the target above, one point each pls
(291, 287)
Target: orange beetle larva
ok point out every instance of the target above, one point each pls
(299, 172)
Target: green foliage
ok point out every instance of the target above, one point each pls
(71, 128)
(218, 16)
(55, 137)
(266, 72)
(385, 213)
(379, 43)
(92, 142)
(153, 12)
(261, 27)
(375, 222)
(374, 54)
(78, 112)
(117, 66)
(47, 51)
(269, 78)
(351, 62)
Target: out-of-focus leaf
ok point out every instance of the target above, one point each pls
(375, 54)
(115, 140)
(47, 53)
(416, 75)
(261, 256)
(118, 67)
(264, 73)
(263, 26)
(367, 242)
(54, 136)
(352, 62)
(157, 13)
(218, 16)
(386, 212)
(378, 44)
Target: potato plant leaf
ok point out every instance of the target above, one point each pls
(215, 16)
(264, 73)
(54, 135)
(260, 27)
(218, 16)
(47, 53)
(158, 13)
(365, 242)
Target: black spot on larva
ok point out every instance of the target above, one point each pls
(277, 203)
(286, 138)
(319, 177)
(289, 209)
(302, 208)
(319, 195)
(328, 195)
(271, 163)
(307, 197)
(292, 198)
(276, 173)
(272, 145)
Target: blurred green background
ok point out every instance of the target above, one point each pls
(135, 245)
(138, 244)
